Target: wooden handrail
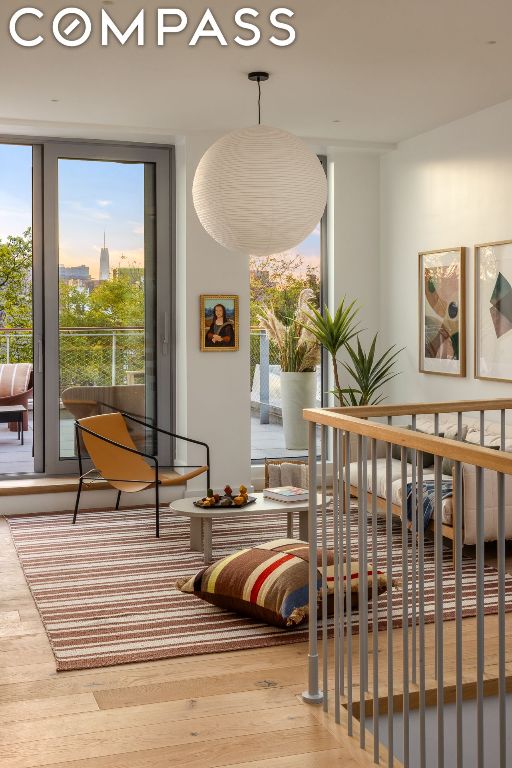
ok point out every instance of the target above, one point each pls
(487, 458)
(415, 409)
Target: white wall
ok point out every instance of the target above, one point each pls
(353, 234)
(213, 392)
(446, 188)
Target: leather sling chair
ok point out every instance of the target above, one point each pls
(118, 462)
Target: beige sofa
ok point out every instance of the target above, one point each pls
(471, 434)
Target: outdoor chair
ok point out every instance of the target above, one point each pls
(285, 472)
(117, 461)
(16, 386)
(279, 472)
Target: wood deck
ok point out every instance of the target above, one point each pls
(238, 709)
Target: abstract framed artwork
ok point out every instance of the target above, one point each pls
(219, 323)
(493, 311)
(442, 305)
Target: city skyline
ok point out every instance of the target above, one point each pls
(93, 197)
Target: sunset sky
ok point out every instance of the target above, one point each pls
(94, 197)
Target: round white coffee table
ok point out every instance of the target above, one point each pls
(201, 519)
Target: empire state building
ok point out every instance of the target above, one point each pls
(104, 260)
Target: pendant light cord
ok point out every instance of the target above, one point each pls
(258, 77)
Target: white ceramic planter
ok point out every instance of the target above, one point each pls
(298, 391)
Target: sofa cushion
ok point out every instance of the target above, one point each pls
(396, 471)
(286, 473)
(396, 452)
(269, 582)
(490, 516)
(14, 378)
(490, 440)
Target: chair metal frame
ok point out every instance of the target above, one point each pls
(88, 476)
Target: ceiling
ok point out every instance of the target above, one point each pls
(360, 70)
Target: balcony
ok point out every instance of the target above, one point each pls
(94, 357)
(103, 357)
(267, 435)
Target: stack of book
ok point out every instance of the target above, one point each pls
(286, 494)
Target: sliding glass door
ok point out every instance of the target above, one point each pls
(107, 292)
(18, 387)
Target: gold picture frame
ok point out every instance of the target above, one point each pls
(442, 311)
(222, 336)
(493, 311)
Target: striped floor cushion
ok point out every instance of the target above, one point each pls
(268, 582)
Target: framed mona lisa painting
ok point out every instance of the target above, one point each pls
(219, 323)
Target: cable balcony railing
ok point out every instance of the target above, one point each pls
(398, 657)
(265, 383)
(265, 372)
(93, 356)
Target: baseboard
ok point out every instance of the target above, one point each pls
(34, 504)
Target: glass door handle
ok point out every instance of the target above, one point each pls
(165, 335)
(40, 356)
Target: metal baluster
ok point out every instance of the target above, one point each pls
(414, 585)
(389, 600)
(502, 683)
(336, 521)
(313, 695)
(341, 502)
(348, 583)
(325, 646)
(375, 608)
(364, 572)
(438, 533)
(457, 543)
(457, 495)
(405, 611)
(421, 600)
(360, 550)
(480, 602)
(436, 432)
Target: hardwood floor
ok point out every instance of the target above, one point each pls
(232, 709)
(238, 709)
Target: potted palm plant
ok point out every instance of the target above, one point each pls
(333, 333)
(299, 355)
(368, 372)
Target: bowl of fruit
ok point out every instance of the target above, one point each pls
(228, 499)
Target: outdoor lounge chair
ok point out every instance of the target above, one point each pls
(118, 462)
(16, 386)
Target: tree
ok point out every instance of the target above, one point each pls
(86, 358)
(113, 303)
(16, 281)
(276, 281)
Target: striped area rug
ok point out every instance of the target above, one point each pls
(105, 587)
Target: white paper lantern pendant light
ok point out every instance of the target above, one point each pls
(259, 190)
